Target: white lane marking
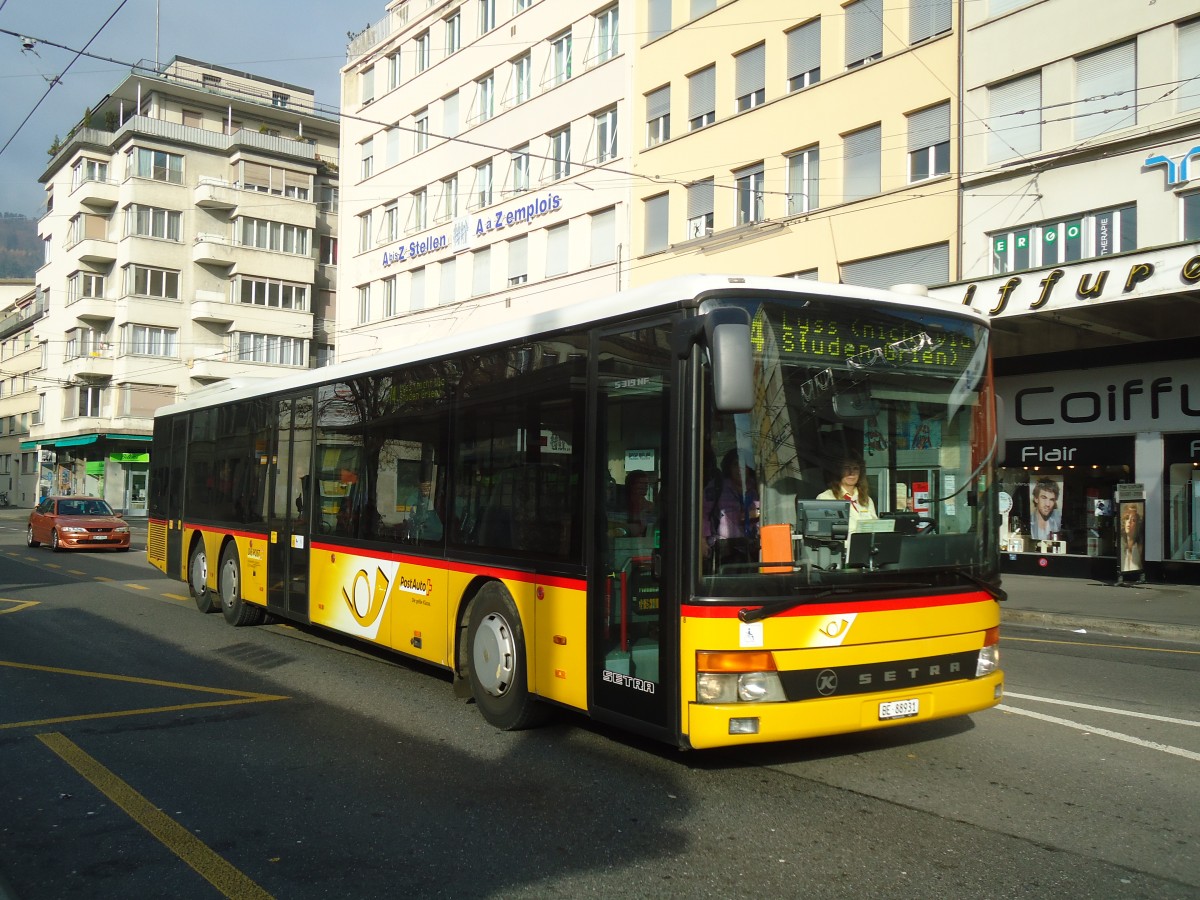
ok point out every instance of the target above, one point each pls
(1105, 709)
(1104, 732)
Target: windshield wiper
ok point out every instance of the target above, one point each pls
(993, 590)
(781, 606)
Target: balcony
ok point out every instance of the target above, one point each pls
(213, 194)
(96, 193)
(211, 308)
(97, 365)
(95, 250)
(212, 250)
(93, 309)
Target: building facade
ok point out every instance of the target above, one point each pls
(20, 310)
(190, 234)
(1081, 238)
(487, 166)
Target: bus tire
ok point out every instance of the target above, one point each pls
(497, 664)
(229, 581)
(206, 600)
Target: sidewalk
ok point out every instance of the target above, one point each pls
(1168, 611)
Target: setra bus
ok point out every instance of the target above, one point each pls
(537, 508)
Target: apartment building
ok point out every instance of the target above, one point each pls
(20, 310)
(814, 139)
(487, 165)
(190, 234)
(1081, 239)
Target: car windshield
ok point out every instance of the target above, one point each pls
(84, 508)
(866, 458)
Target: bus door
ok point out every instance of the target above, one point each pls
(291, 509)
(633, 665)
(173, 471)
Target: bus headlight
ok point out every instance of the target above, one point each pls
(737, 677)
(989, 656)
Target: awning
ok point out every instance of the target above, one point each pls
(80, 439)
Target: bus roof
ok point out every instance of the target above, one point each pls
(676, 292)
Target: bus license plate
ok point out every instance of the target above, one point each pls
(899, 709)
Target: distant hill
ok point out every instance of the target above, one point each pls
(20, 249)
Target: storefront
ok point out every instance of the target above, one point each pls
(113, 466)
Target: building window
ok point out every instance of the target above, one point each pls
(364, 304)
(85, 342)
(520, 79)
(487, 15)
(519, 169)
(702, 98)
(1106, 90)
(518, 261)
(1066, 240)
(149, 221)
(390, 298)
(271, 348)
(453, 33)
(88, 170)
(391, 223)
(700, 209)
(925, 265)
(483, 184)
(606, 135)
(143, 281)
(862, 150)
(448, 281)
(702, 7)
(864, 32)
(394, 71)
(416, 289)
(749, 183)
(328, 251)
(657, 223)
(929, 143)
(560, 153)
(272, 294)
(658, 116)
(366, 80)
(604, 237)
(84, 285)
(420, 131)
(485, 95)
(481, 271)
(558, 250)
(560, 58)
(421, 52)
(149, 340)
(1188, 55)
(89, 401)
(658, 18)
(449, 198)
(366, 237)
(367, 155)
(519, 5)
(420, 211)
(804, 55)
(804, 180)
(606, 34)
(1014, 121)
(158, 165)
(927, 18)
(750, 77)
(277, 236)
(1191, 217)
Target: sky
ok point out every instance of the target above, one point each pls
(302, 42)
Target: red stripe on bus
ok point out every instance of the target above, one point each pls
(825, 609)
(556, 581)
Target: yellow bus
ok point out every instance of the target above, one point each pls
(630, 508)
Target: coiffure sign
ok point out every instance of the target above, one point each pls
(1103, 401)
(1105, 279)
(460, 236)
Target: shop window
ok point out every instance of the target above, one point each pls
(1182, 496)
(1066, 240)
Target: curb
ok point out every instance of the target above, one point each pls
(1114, 627)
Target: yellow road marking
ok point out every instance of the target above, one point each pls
(105, 580)
(20, 605)
(177, 597)
(75, 572)
(1093, 644)
(136, 587)
(227, 879)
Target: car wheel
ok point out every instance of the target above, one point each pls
(206, 600)
(229, 580)
(54, 545)
(497, 662)
(29, 539)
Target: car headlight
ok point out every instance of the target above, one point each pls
(72, 529)
(121, 529)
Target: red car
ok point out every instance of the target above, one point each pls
(72, 523)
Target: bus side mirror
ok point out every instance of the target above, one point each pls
(727, 333)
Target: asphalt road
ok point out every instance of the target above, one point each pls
(149, 751)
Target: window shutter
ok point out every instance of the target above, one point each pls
(702, 92)
(604, 237)
(927, 265)
(518, 257)
(258, 175)
(927, 18)
(1105, 82)
(862, 163)
(659, 18)
(416, 289)
(481, 274)
(658, 103)
(864, 30)
(929, 127)
(804, 49)
(657, 217)
(750, 71)
(448, 286)
(450, 115)
(1014, 118)
(700, 199)
(297, 180)
(700, 7)
(1189, 65)
(557, 257)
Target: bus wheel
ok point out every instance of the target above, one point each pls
(229, 580)
(206, 602)
(497, 666)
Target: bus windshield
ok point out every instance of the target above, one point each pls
(866, 458)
